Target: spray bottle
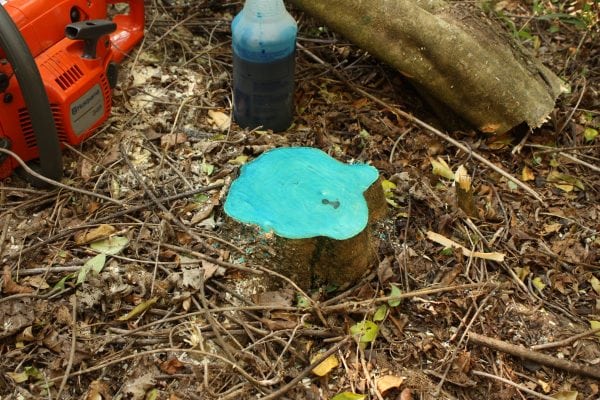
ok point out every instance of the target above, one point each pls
(264, 43)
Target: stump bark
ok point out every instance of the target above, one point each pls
(318, 215)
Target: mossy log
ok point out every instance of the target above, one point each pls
(318, 215)
(463, 60)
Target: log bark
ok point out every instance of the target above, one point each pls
(453, 52)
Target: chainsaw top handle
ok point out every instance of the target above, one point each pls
(34, 93)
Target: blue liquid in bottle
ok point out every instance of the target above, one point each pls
(264, 43)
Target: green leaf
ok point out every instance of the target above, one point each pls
(566, 395)
(441, 168)
(302, 302)
(395, 292)
(590, 134)
(18, 377)
(34, 373)
(365, 330)
(447, 251)
(111, 245)
(512, 185)
(239, 160)
(564, 182)
(207, 169)
(140, 308)
(381, 313)
(93, 264)
(349, 396)
(60, 285)
(537, 282)
(152, 394)
(201, 198)
(388, 188)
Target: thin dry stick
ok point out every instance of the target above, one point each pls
(56, 183)
(69, 231)
(204, 257)
(566, 341)
(72, 351)
(511, 383)
(288, 386)
(5, 225)
(460, 342)
(431, 129)
(578, 161)
(564, 125)
(534, 356)
(406, 295)
(100, 366)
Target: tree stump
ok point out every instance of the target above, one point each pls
(316, 213)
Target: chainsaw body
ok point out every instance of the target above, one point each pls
(75, 47)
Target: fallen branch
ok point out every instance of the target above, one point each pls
(539, 358)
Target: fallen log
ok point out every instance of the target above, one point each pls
(459, 58)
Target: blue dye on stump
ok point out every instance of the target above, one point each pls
(301, 192)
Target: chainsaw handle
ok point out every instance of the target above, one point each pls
(130, 28)
(36, 99)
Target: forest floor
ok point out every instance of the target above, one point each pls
(143, 294)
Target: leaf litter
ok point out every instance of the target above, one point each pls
(165, 304)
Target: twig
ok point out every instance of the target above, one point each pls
(68, 231)
(72, 351)
(433, 130)
(100, 366)
(540, 358)
(56, 183)
(578, 161)
(574, 108)
(288, 386)
(564, 342)
(204, 257)
(511, 383)
(5, 226)
(415, 293)
(460, 342)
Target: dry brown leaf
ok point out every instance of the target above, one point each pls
(138, 387)
(219, 120)
(462, 178)
(172, 139)
(527, 174)
(98, 390)
(388, 382)
(171, 366)
(36, 281)
(87, 169)
(279, 298)
(101, 232)
(9, 286)
(406, 394)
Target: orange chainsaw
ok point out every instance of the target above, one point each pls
(58, 64)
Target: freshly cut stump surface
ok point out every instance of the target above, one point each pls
(317, 212)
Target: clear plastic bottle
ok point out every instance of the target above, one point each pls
(264, 44)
